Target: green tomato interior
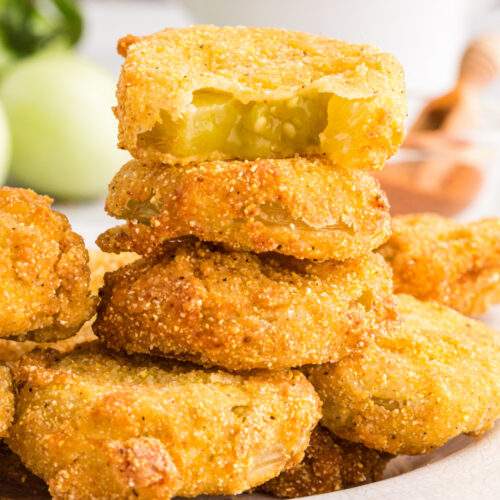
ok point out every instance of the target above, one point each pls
(257, 129)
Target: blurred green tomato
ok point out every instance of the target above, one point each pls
(63, 130)
(4, 146)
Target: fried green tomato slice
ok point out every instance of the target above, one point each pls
(99, 263)
(329, 464)
(299, 207)
(212, 93)
(44, 272)
(242, 311)
(435, 258)
(97, 425)
(6, 400)
(432, 377)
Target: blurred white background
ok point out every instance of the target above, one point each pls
(427, 36)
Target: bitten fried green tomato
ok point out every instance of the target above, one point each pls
(211, 93)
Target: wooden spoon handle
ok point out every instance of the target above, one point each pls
(480, 63)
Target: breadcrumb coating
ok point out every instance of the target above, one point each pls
(163, 74)
(16, 481)
(298, 206)
(435, 258)
(43, 270)
(6, 400)
(432, 377)
(242, 311)
(97, 425)
(99, 263)
(330, 464)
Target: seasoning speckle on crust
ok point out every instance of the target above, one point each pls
(163, 75)
(433, 376)
(97, 425)
(241, 311)
(456, 264)
(330, 464)
(43, 270)
(299, 207)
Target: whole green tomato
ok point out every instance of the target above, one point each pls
(4, 146)
(62, 126)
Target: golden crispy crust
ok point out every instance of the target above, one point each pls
(16, 481)
(43, 270)
(434, 376)
(97, 425)
(242, 311)
(6, 400)
(163, 70)
(329, 464)
(99, 263)
(299, 207)
(435, 258)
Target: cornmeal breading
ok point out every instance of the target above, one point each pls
(298, 206)
(241, 311)
(6, 400)
(99, 263)
(95, 425)
(211, 93)
(330, 464)
(435, 258)
(435, 375)
(43, 270)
